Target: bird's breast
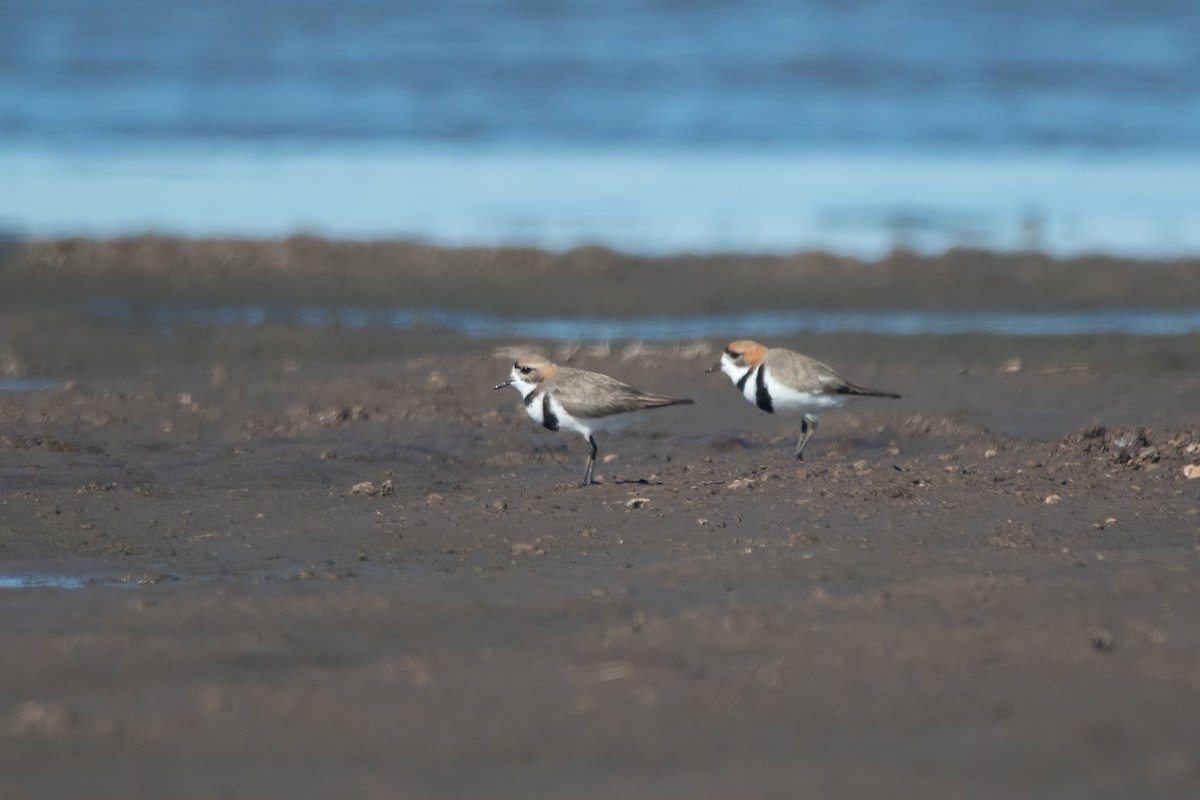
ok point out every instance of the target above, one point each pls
(746, 383)
(535, 406)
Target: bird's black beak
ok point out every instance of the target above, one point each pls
(502, 385)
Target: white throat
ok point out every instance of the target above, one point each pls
(520, 384)
(734, 372)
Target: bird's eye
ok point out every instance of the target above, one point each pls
(526, 370)
(733, 355)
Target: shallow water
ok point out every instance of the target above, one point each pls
(634, 199)
(36, 581)
(1132, 322)
(26, 384)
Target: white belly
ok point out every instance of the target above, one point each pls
(587, 426)
(786, 400)
(566, 422)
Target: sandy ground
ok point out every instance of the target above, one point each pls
(987, 589)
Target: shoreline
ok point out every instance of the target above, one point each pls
(588, 281)
(642, 200)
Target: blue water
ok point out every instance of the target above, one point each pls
(1133, 322)
(649, 125)
(37, 581)
(9, 384)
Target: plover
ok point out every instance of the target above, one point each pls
(783, 381)
(574, 399)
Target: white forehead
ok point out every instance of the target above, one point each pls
(729, 366)
(519, 379)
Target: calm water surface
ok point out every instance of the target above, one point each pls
(1135, 322)
(647, 125)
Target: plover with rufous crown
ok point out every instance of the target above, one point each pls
(565, 398)
(784, 381)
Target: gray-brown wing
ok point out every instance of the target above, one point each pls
(808, 374)
(588, 395)
(803, 373)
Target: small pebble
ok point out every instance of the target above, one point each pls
(1101, 639)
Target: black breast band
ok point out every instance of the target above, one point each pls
(762, 398)
(549, 418)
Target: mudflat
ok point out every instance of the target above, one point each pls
(298, 561)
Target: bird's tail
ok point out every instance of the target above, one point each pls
(658, 401)
(850, 388)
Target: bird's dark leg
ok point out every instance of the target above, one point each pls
(808, 426)
(591, 462)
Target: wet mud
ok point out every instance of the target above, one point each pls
(285, 562)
